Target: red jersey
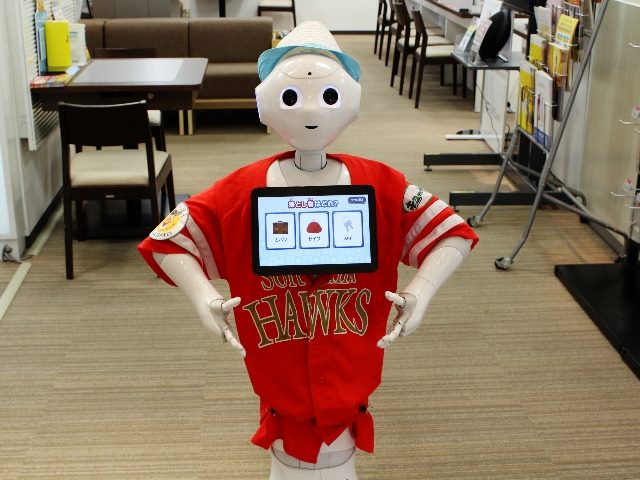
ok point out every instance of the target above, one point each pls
(310, 340)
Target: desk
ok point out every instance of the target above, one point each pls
(494, 97)
(165, 83)
(455, 22)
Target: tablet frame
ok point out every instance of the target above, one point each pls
(314, 191)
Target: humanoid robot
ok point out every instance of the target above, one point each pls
(313, 344)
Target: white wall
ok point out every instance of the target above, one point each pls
(337, 15)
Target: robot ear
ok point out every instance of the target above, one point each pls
(259, 90)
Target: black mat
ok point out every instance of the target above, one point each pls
(610, 295)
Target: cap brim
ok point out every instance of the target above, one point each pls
(270, 58)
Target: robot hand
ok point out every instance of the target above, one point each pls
(405, 304)
(220, 310)
(411, 304)
(212, 309)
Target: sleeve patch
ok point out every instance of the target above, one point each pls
(173, 224)
(414, 198)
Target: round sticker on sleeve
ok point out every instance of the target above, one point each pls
(172, 224)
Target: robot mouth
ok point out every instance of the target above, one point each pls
(311, 127)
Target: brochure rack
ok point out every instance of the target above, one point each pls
(546, 184)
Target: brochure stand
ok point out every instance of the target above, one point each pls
(545, 180)
(608, 293)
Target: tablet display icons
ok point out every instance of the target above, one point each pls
(280, 231)
(347, 229)
(314, 229)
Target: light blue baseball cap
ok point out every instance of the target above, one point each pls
(308, 37)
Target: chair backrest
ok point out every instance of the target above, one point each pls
(421, 29)
(141, 52)
(402, 13)
(104, 125)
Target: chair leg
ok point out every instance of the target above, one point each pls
(464, 82)
(377, 36)
(441, 74)
(455, 79)
(295, 23)
(383, 32)
(68, 233)
(170, 191)
(386, 58)
(155, 211)
(405, 55)
(159, 137)
(163, 199)
(80, 232)
(412, 76)
(419, 84)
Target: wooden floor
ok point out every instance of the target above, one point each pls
(111, 376)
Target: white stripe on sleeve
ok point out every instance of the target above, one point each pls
(422, 221)
(203, 246)
(446, 225)
(187, 244)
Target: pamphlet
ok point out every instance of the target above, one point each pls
(543, 20)
(538, 50)
(41, 47)
(543, 122)
(566, 30)
(466, 41)
(526, 105)
(483, 26)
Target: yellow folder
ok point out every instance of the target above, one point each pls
(56, 33)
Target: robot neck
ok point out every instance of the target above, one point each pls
(310, 160)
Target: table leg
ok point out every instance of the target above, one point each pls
(222, 8)
(180, 122)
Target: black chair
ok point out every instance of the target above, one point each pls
(382, 23)
(406, 42)
(109, 173)
(155, 116)
(278, 6)
(428, 54)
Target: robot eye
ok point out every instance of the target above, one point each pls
(330, 97)
(290, 98)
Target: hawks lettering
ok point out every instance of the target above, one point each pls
(321, 312)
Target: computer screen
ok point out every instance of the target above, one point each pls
(317, 229)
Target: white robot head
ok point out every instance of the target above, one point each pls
(309, 92)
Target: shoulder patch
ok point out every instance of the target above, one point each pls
(414, 198)
(172, 224)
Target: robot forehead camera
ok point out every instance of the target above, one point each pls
(303, 63)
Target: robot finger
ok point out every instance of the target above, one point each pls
(395, 299)
(233, 342)
(230, 304)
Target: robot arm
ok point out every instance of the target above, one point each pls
(412, 302)
(211, 307)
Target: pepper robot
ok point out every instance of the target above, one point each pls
(313, 344)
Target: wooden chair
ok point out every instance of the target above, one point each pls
(278, 6)
(406, 42)
(427, 54)
(155, 116)
(111, 173)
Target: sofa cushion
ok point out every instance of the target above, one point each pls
(230, 80)
(94, 33)
(170, 36)
(229, 39)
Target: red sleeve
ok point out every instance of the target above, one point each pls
(426, 220)
(195, 233)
